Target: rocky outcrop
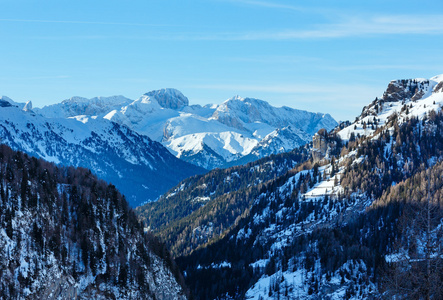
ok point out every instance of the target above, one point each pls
(169, 98)
(405, 89)
(439, 87)
(319, 145)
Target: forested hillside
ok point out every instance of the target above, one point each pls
(184, 217)
(291, 236)
(359, 212)
(65, 234)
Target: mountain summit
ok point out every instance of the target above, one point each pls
(169, 98)
(208, 136)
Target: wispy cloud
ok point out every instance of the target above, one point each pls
(352, 27)
(269, 4)
(35, 77)
(418, 67)
(84, 22)
(348, 27)
(274, 59)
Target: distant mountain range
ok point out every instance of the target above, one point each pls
(237, 131)
(140, 168)
(120, 140)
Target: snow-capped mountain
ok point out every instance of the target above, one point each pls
(345, 222)
(209, 136)
(141, 168)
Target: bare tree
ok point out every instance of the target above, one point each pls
(415, 270)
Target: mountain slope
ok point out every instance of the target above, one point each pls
(65, 234)
(141, 168)
(328, 227)
(196, 202)
(209, 136)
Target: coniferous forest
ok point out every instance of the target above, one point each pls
(66, 234)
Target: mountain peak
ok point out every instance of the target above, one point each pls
(236, 97)
(169, 98)
(246, 100)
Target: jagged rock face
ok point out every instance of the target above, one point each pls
(319, 145)
(169, 98)
(439, 87)
(402, 95)
(401, 90)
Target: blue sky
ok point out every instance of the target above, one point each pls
(322, 56)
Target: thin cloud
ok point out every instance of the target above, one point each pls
(351, 27)
(84, 22)
(35, 77)
(348, 27)
(423, 67)
(274, 59)
(269, 4)
(388, 25)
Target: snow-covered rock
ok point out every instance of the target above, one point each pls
(403, 98)
(210, 136)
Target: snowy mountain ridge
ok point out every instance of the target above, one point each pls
(141, 168)
(403, 99)
(209, 136)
